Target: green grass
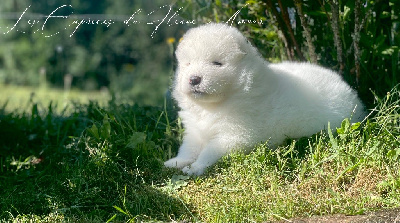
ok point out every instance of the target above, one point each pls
(96, 163)
(19, 98)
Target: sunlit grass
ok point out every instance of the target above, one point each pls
(21, 97)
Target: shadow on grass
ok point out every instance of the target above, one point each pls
(93, 164)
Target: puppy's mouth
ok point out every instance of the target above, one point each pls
(204, 95)
(197, 91)
(197, 94)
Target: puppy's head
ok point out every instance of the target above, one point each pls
(210, 65)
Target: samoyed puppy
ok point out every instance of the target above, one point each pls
(231, 98)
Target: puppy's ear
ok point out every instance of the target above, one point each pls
(247, 48)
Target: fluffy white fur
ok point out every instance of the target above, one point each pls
(231, 98)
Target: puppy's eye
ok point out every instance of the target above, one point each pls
(216, 63)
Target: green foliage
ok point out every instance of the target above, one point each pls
(129, 60)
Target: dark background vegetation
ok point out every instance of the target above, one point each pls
(359, 39)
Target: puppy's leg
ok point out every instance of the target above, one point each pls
(188, 152)
(212, 152)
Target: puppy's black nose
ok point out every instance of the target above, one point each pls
(194, 80)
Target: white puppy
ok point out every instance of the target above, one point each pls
(231, 98)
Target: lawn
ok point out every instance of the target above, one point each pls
(20, 98)
(104, 162)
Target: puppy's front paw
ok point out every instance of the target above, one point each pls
(177, 162)
(195, 169)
